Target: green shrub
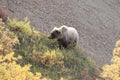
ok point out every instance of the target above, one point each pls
(48, 59)
(20, 26)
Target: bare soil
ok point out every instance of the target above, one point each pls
(97, 21)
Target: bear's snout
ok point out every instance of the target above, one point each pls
(49, 36)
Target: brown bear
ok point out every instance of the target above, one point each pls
(66, 36)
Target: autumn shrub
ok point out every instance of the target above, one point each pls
(49, 58)
(7, 39)
(10, 70)
(20, 26)
(112, 71)
(9, 67)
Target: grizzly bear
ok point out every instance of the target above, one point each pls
(66, 36)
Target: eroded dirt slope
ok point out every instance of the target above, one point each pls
(97, 21)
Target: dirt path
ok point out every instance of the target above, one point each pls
(98, 21)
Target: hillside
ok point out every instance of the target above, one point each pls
(26, 54)
(97, 21)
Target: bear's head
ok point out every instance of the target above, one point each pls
(57, 32)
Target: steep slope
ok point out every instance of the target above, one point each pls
(96, 20)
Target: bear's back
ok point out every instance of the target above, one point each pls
(72, 34)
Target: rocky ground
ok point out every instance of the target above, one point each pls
(97, 21)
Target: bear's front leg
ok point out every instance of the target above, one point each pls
(62, 43)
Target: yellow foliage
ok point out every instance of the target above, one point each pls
(112, 71)
(22, 26)
(49, 58)
(61, 78)
(116, 51)
(7, 40)
(117, 43)
(10, 70)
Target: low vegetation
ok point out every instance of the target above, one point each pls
(40, 56)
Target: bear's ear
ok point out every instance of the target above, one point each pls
(55, 27)
(64, 28)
